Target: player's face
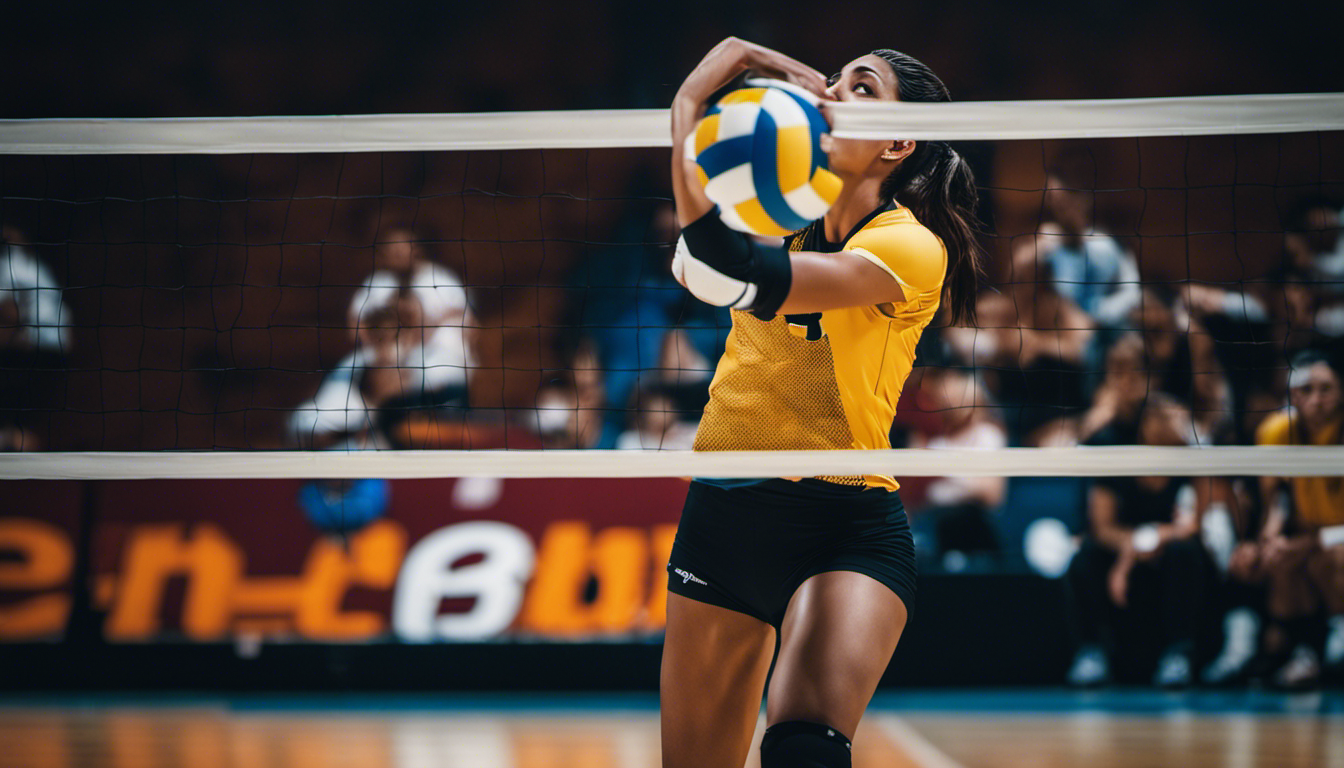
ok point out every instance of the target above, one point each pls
(867, 78)
(1316, 395)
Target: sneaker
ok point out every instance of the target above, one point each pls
(1334, 643)
(1173, 670)
(1090, 667)
(1241, 627)
(1303, 670)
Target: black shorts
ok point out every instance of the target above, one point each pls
(749, 548)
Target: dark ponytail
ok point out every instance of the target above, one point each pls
(937, 185)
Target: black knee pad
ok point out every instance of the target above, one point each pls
(796, 744)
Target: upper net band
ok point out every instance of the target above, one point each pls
(599, 129)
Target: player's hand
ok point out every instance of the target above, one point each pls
(771, 63)
(727, 60)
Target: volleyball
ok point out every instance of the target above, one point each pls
(758, 156)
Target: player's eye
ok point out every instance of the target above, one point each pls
(867, 89)
(833, 79)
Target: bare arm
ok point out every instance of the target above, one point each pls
(824, 281)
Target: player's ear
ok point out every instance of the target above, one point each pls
(899, 150)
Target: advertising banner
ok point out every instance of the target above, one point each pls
(342, 561)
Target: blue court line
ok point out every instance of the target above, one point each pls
(1121, 702)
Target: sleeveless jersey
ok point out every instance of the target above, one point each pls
(1317, 501)
(829, 379)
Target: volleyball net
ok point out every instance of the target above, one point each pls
(488, 295)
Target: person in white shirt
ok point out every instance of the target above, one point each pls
(34, 341)
(399, 264)
(412, 329)
(32, 313)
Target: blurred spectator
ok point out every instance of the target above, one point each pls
(657, 423)
(1031, 343)
(1182, 363)
(1313, 283)
(400, 267)
(569, 409)
(1243, 342)
(1086, 265)
(1299, 554)
(648, 330)
(1113, 418)
(1142, 547)
(391, 372)
(957, 528)
(34, 341)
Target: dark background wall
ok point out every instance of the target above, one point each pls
(309, 57)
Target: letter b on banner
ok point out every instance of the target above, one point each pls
(496, 582)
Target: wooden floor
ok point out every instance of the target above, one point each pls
(177, 734)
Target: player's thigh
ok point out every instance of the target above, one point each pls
(714, 666)
(835, 642)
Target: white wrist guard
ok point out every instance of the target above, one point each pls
(707, 283)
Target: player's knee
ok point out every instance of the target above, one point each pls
(799, 744)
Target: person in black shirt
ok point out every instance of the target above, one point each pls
(1143, 547)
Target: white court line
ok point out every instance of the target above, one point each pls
(920, 749)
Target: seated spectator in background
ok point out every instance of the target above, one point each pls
(1237, 321)
(1313, 245)
(391, 372)
(1182, 363)
(957, 525)
(1113, 418)
(400, 267)
(636, 312)
(1033, 341)
(570, 410)
(1143, 546)
(1309, 295)
(657, 423)
(1300, 551)
(1087, 265)
(34, 342)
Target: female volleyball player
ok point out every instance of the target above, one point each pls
(818, 360)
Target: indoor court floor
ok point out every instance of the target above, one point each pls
(1003, 729)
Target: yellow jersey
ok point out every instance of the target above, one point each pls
(1317, 501)
(829, 379)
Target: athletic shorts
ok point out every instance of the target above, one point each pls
(749, 548)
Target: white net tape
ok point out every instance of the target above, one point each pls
(580, 129)
(1278, 461)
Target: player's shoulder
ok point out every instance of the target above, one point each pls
(900, 224)
(1276, 429)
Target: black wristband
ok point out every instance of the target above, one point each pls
(719, 246)
(773, 281)
(740, 257)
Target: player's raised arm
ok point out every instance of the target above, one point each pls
(724, 61)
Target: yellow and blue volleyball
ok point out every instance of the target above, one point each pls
(759, 158)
